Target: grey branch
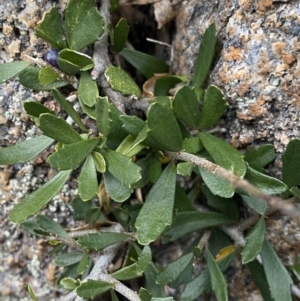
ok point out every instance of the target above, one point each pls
(99, 271)
(273, 201)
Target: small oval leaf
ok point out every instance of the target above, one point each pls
(120, 81)
(35, 201)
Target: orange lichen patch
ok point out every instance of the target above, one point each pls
(13, 48)
(263, 5)
(254, 110)
(231, 30)
(295, 44)
(280, 69)
(223, 75)
(263, 62)
(241, 74)
(288, 58)
(234, 54)
(243, 88)
(296, 101)
(278, 48)
(245, 4)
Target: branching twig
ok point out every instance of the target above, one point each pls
(243, 184)
(99, 271)
(204, 239)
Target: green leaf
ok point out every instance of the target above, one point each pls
(127, 273)
(121, 31)
(260, 279)
(121, 167)
(113, 6)
(226, 206)
(205, 56)
(29, 78)
(182, 201)
(68, 108)
(201, 283)
(145, 63)
(24, 151)
(31, 292)
(103, 115)
(83, 264)
(260, 157)
(35, 109)
(87, 180)
(165, 83)
(9, 70)
(84, 24)
(92, 288)
(155, 289)
(150, 169)
(185, 168)
(157, 211)
(67, 259)
(69, 156)
(132, 124)
(144, 294)
(217, 279)
(69, 283)
(186, 106)
(58, 129)
(143, 260)
(192, 145)
(188, 222)
(93, 215)
(214, 106)
(296, 270)
(51, 226)
(35, 201)
(87, 90)
(47, 76)
(113, 295)
(254, 241)
(291, 164)
(163, 131)
(265, 183)
(116, 190)
(163, 299)
(254, 203)
(278, 278)
(120, 81)
(130, 147)
(80, 208)
(50, 29)
(224, 154)
(31, 227)
(174, 269)
(99, 162)
(91, 112)
(117, 133)
(217, 185)
(71, 61)
(101, 240)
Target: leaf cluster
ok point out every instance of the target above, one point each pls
(127, 153)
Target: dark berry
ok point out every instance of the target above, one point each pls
(51, 57)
